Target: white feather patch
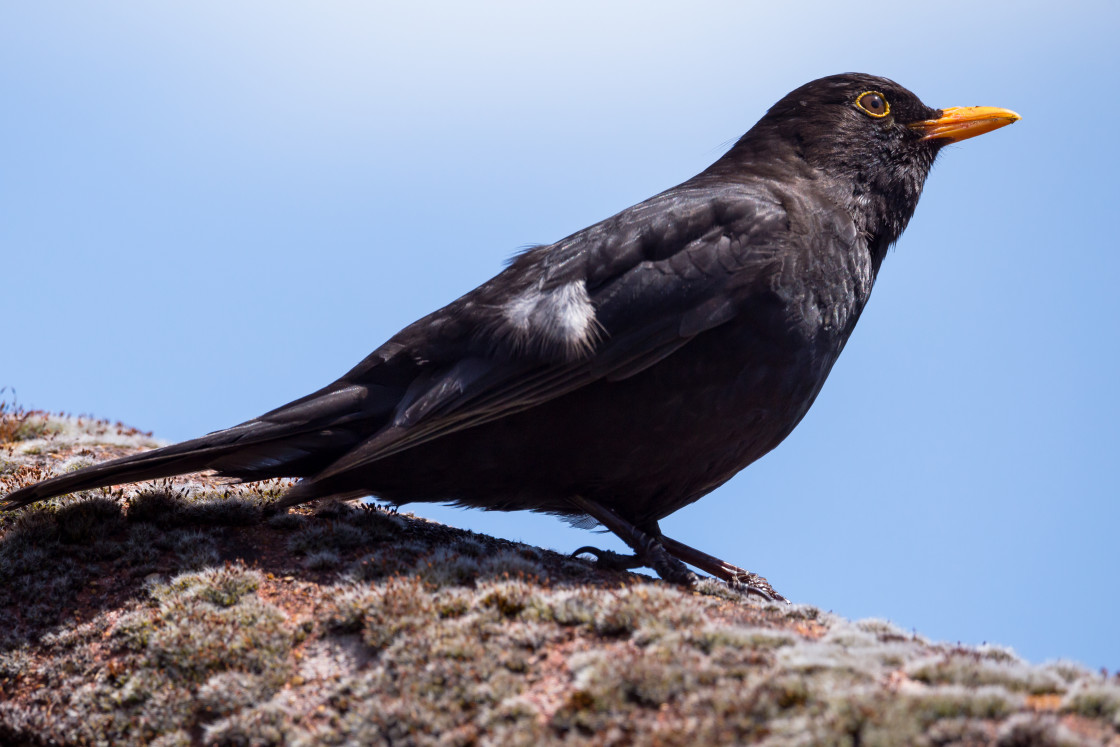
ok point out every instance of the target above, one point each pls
(560, 318)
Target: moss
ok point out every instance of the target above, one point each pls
(976, 668)
(374, 523)
(1033, 730)
(564, 607)
(133, 630)
(509, 598)
(615, 613)
(207, 623)
(655, 676)
(228, 692)
(222, 587)
(287, 520)
(883, 630)
(1100, 700)
(195, 639)
(386, 561)
(333, 536)
(1068, 671)
(710, 638)
(262, 726)
(345, 607)
(177, 738)
(83, 520)
(626, 610)
(447, 566)
(129, 632)
(454, 603)
(321, 560)
(224, 509)
(469, 547)
(784, 693)
(334, 509)
(400, 606)
(160, 507)
(18, 425)
(954, 702)
(32, 529)
(166, 508)
(193, 548)
(512, 563)
(800, 612)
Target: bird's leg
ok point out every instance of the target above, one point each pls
(750, 583)
(647, 547)
(665, 555)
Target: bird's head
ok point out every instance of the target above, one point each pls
(872, 139)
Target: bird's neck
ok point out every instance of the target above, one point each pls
(872, 218)
(882, 211)
(879, 201)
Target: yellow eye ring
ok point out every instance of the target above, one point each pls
(873, 104)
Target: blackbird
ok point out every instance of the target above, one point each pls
(631, 368)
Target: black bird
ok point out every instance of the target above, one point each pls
(631, 368)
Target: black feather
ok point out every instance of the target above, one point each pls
(635, 365)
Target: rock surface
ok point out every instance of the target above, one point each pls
(188, 612)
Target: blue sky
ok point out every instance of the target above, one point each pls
(209, 209)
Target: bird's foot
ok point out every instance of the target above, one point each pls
(671, 569)
(736, 577)
(752, 583)
(667, 556)
(667, 567)
(610, 560)
(648, 550)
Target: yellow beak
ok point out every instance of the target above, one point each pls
(962, 122)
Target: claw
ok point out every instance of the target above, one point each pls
(736, 577)
(611, 560)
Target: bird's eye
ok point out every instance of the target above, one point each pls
(873, 103)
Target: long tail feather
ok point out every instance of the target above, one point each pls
(251, 451)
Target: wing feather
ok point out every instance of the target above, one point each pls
(646, 309)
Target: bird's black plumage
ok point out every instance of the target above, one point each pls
(632, 367)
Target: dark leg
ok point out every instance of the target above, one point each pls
(612, 561)
(649, 551)
(751, 583)
(664, 554)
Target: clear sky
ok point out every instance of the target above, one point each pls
(210, 208)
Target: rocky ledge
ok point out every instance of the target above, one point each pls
(190, 612)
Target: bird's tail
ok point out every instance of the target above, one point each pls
(147, 466)
(296, 440)
(255, 450)
(189, 456)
